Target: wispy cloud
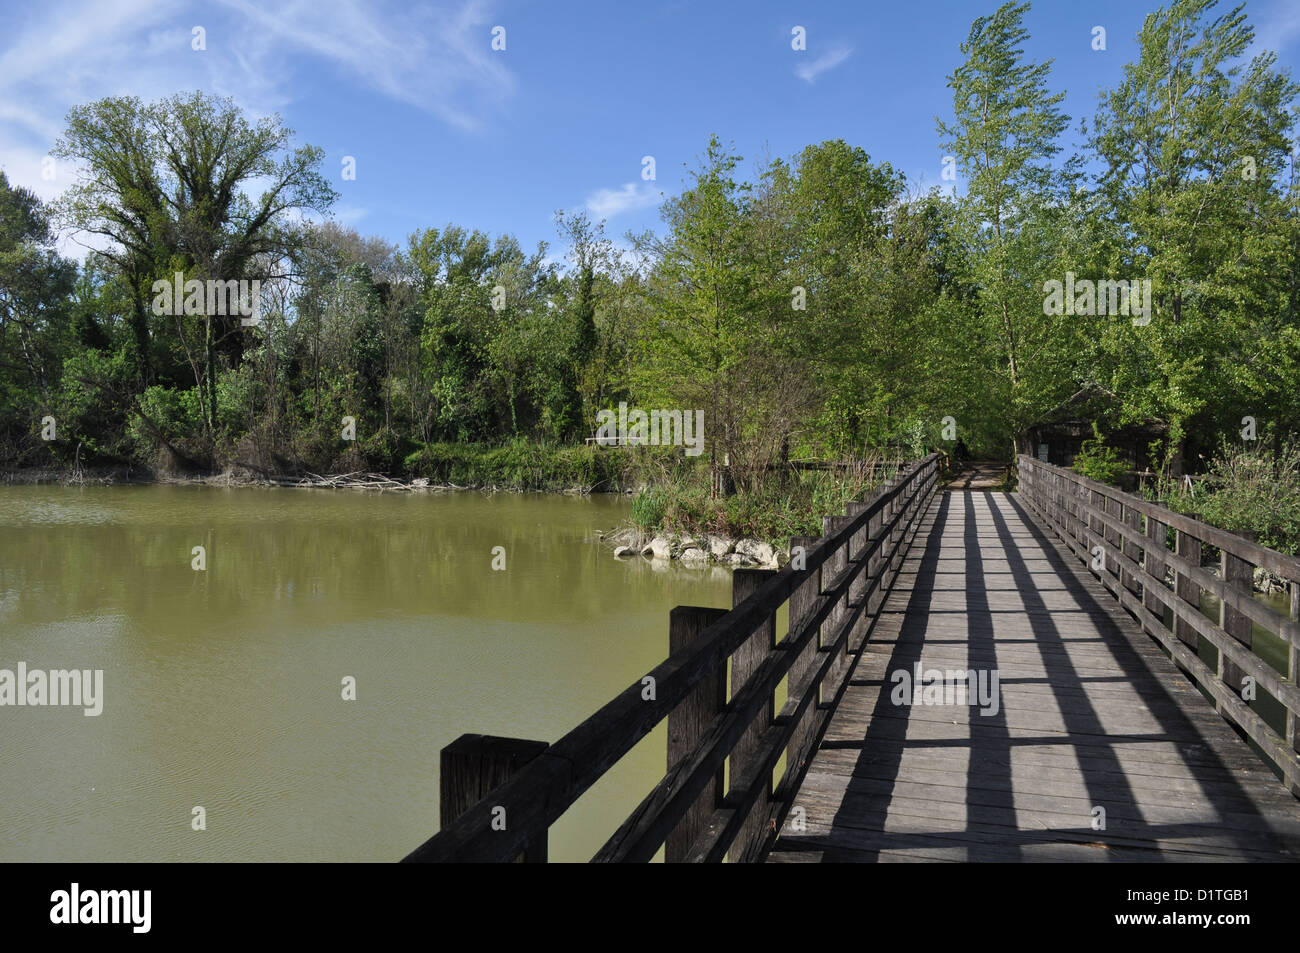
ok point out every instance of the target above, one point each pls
(1277, 29)
(606, 203)
(435, 57)
(349, 214)
(827, 61)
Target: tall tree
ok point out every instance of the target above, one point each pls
(35, 283)
(167, 185)
(1195, 149)
(1003, 135)
(703, 293)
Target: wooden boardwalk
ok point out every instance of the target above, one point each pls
(979, 475)
(1092, 717)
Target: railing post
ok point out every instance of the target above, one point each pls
(1189, 548)
(1058, 499)
(1293, 673)
(897, 507)
(832, 570)
(1075, 498)
(1088, 538)
(1153, 562)
(687, 723)
(1133, 520)
(472, 767)
(744, 661)
(874, 569)
(1115, 509)
(800, 676)
(1236, 574)
(859, 585)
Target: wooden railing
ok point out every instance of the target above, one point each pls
(834, 585)
(1124, 538)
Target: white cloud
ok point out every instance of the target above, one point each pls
(435, 57)
(1277, 29)
(349, 215)
(607, 203)
(827, 61)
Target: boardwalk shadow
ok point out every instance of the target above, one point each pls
(942, 782)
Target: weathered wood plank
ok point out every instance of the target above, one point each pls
(744, 583)
(471, 768)
(1091, 713)
(689, 720)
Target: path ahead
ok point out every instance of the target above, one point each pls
(1092, 715)
(979, 475)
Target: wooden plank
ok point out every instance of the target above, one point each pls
(1189, 548)
(1090, 712)
(800, 675)
(1238, 574)
(690, 719)
(744, 583)
(471, 768)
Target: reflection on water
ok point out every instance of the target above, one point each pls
(223, 687)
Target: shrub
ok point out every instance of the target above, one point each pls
(1097, 461)
(520, 466)
(648, 507)
(1251, 490)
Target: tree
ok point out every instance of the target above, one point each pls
(1195, 150)
(35, 283)
(702, 291)
(1004, 135)
(166, 184)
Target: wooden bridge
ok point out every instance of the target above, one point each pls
(966, 676)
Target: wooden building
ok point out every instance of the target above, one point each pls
(1059, 435)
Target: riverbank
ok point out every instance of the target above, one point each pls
(358, 480)
(519, 465)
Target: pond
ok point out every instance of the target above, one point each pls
(224, 686)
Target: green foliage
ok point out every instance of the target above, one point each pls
(649, 507)
(790, 505)
(1253, 490)
(520, 465)
(813, 309)
(1004, 135)
(173, 414)
(1097, 461)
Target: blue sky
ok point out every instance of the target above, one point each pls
(445, 129)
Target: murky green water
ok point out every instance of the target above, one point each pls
(1269, 647)
(223, 688)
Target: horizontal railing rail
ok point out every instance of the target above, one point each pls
(1124, 538)
(834, 586)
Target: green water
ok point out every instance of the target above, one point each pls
(223, 688)
(1270, 648)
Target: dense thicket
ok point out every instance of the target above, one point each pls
(818, 309)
